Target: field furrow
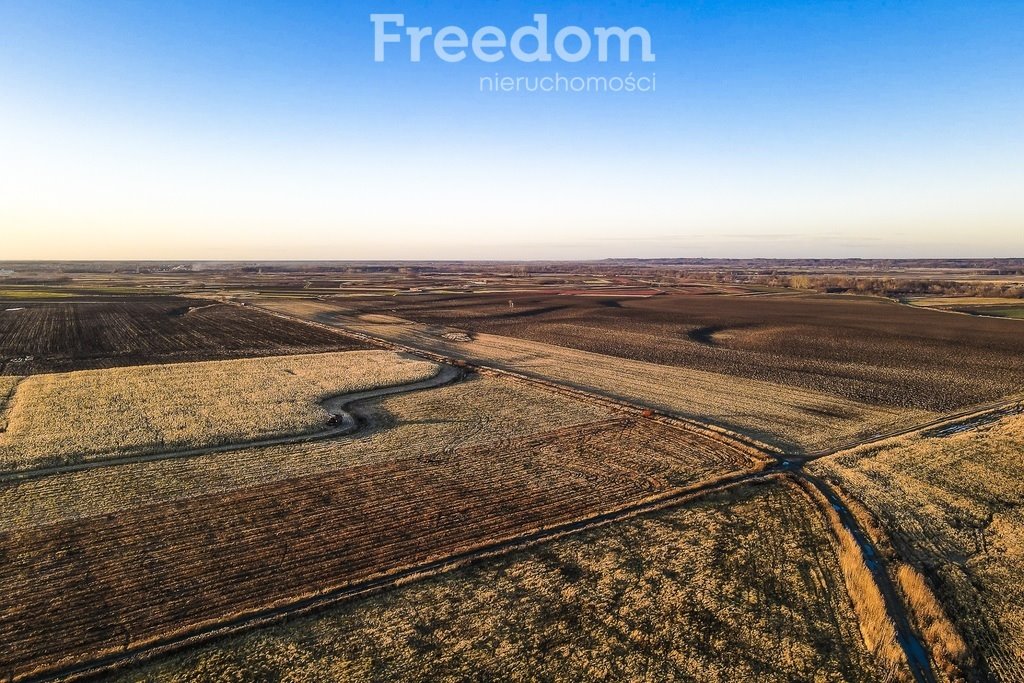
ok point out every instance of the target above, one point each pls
(61, 336)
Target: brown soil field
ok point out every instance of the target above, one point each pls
(792, 417)
(742, 585)
(954, 507)
(64, 418)
(58, 337)
(862, 349)
(84, 588)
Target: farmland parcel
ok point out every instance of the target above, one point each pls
(66, 418)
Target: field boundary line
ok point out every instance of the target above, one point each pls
(1009, 406)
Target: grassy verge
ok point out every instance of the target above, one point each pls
(946, 647)
(876, 627)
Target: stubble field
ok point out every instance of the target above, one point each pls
(57, 419)
(472, 413)
(792, 417)
(861, 349)
(500, 527)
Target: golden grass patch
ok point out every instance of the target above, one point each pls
(876, 627)
(76, 416)
(7, 386)
(948, 648)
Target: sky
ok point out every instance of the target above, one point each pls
(195, 129)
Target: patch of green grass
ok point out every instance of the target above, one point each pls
(1010, 312)
(1016, 312)
(32, 294)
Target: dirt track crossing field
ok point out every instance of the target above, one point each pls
(477, 411)
(339, 406)
(65, 418)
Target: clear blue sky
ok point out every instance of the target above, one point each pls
(266, 130)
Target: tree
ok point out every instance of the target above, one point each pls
(800, 282)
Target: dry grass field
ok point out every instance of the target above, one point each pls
(791, 416)
(956, 301)
(953, 507)
(76, 416)
(7, 386)
(740, 586)
(87, 587)
(101, 333)
(977, 306)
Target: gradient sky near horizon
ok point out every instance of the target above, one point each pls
(260, 130)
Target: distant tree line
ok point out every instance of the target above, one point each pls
(891, 287)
